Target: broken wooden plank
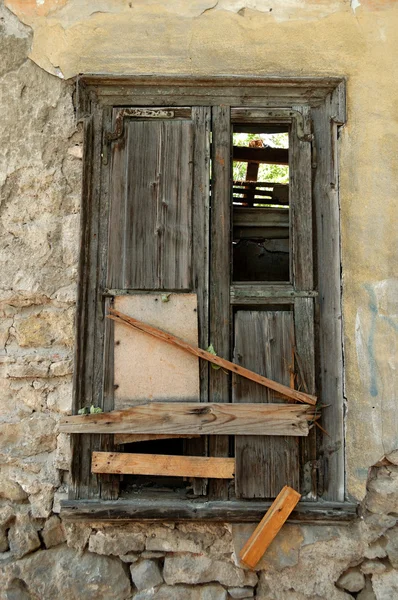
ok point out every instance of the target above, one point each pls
(130, 438)
(191, 417)
(162, 464)
(221, 362)
(269, 526)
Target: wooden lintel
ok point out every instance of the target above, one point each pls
(269, 526)
(197, 418)
(284, 390)
(162, 464)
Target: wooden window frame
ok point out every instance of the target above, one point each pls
(323, 100)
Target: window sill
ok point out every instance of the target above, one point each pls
(150, 509)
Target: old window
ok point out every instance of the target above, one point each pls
(214, 203)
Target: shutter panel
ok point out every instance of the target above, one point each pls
(264, 343)
(159, 187)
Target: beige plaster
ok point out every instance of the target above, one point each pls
(357, 39)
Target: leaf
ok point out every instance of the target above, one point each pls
(211, 350)
(166, 297)
(83, 411)
(95, 409)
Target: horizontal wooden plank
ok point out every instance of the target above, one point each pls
(129, 438)
(247, 293)
(162, 464)
(171, 507)
(192, 417)
(221, 362)
(270, 156)
(269, 527)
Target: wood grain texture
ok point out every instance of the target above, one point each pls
(190, 417)
(162, 464)
(300, 187)
(201, 117)
(149, 508)
(264, 341)
(282, 389)
(220, 268)
(158, 219)
(129, 438)
(329, 302)
(269, 527)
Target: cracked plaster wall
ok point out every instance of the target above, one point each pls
(40, 173)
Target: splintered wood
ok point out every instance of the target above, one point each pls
(194, 418)
(269, 526)
(160, 464)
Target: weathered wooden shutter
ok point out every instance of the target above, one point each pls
(278, 341)
(159, 213)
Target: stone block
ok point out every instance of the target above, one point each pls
(377, 549)
(23, 537)
(194, 569)
(58, 497)
(29, 369)
(60, 399)
(369, 567)
(173, 540)
(11, 489)
(53, 532)
(42, 502)
(238, 593)
(61, 572)
(7, 514)
(385, 585)
(367, 593)
(382, 494)
(45, 329)
(77, 535)
(30, 436)
(392, 546)
(117, 541)
(146, 574)
(183, 592)
(130, 558)
(352, 580)
(61, 368)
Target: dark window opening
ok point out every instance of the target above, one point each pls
(260, 197)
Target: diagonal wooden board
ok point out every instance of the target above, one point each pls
(144, 370)
(190, 417)
(162, 464)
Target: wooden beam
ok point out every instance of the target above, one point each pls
(221, 362)
(174, 508)
(162, 464)
(269, 527)
(130, 438)
(270, 156)
(193, 417)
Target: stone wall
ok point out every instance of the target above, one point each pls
(43, 558)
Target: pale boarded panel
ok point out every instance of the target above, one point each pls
(264, 343)
(162, 464)
(146, 368)
(158, 220)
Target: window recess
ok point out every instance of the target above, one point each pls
(209, 192)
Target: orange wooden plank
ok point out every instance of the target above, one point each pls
(269, 526)
(162, 464)
(284, 390)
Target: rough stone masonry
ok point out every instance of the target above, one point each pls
(43, 558)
